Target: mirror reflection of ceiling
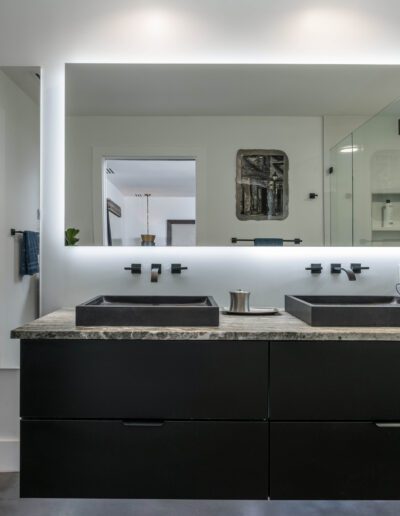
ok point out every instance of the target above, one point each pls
(160, 178)
(229, 89)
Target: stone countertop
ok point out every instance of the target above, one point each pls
(61, 325)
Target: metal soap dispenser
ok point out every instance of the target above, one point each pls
(240, 301)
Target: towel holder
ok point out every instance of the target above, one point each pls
(234, 240)
(14, 232)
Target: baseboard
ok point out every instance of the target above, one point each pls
(9, 455)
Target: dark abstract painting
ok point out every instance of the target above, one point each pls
(262, 191)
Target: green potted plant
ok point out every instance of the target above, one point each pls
(71, 236)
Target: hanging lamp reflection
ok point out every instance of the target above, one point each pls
(147, 238)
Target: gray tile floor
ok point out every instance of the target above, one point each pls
(11, 505)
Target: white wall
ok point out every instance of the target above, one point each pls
(218, 138)
(51, 33)
(19, 202)
(9, 420)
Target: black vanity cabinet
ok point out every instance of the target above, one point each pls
(144, 419)
(334, 461)
(210, 419)
(335, 420)
(135, 459)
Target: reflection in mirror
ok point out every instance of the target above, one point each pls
(143, 196)
(365, 183)
(262, 185)
(341, 192)
(265, 155)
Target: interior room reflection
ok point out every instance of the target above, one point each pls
(364, 183)
(150, 202)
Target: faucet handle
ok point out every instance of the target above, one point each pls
(315, 268)
(176, 268)
(156, 266)
(357, 268)
(135, 268)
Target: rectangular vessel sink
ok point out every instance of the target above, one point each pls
(148, 311)
(345, 310)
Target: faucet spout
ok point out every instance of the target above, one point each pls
(336, 268)
(350, 274)
(155, 271)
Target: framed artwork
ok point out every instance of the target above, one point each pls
(262, 189)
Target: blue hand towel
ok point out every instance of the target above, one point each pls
(268, 241)
(29, 253)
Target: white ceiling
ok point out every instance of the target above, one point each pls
(160, 178)
(229, 89)
(26, 78)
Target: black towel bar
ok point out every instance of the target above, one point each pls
(14, 232)
(235, 240)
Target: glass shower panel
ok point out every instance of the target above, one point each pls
(376, 180)
(341, 197)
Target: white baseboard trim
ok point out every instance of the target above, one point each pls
(9, 455)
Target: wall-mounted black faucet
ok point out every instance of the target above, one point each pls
(336, 268)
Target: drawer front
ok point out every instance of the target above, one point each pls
(343, 381)
(113, 459)
(105, 379)
(144, 379)
(327, 461)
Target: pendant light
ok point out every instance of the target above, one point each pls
(147, 238)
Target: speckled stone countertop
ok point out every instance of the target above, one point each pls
(61, 325)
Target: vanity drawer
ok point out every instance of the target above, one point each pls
(160, 379)
(116, 459)
(335, 380)
(329, 461)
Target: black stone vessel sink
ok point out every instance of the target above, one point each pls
(345, 310)
(148, 311)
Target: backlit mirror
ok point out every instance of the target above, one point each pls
(230, 155)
